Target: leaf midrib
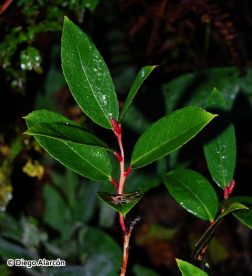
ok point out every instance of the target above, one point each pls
(196, 196)
(162, 145)
(84, 71)
(76, 152)
(221, 163)
(70, 140)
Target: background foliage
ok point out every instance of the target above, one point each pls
(48, 211)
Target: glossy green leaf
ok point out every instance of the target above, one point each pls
(87, 160)
(121, 203)
(56, 126)
(193, 192)
(87, 76)
(220, 151)
(220, 154)
(168, 134)
(208, 235)
(188, 269)
(244, 216)
(140, 78)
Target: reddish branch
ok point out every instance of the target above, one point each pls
(227, 192)
(123, 175)
(4, 6)
(229, 189)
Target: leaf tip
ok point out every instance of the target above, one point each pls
(27, 132)
(66, 18)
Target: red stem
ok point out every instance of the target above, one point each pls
(4, 6)
(228, 190)
(123, 175)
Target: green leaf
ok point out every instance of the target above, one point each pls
(101, 254)
(216, 100)
(208, 235)
(244, 216)
(168, 134)
(194, 88)
(89, 161)
(220, 154)
(57, 212)
(87, 76)
(220, 151)
(140, 78)
(11, 250)
(98, 253)
(121, 203)
(193, 192)
(56, 126)
(244, 199)
(188, 269)
(86, 201)
(91, 4)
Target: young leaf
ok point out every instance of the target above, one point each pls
(220, 152)
(140, 78)
(216, 100)
(188, 269)
(244, 216)
(193, 192)
(87, 76)
(168, 134)
(87, 160)
(208, 235)
(56, 126)
(121, 203)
